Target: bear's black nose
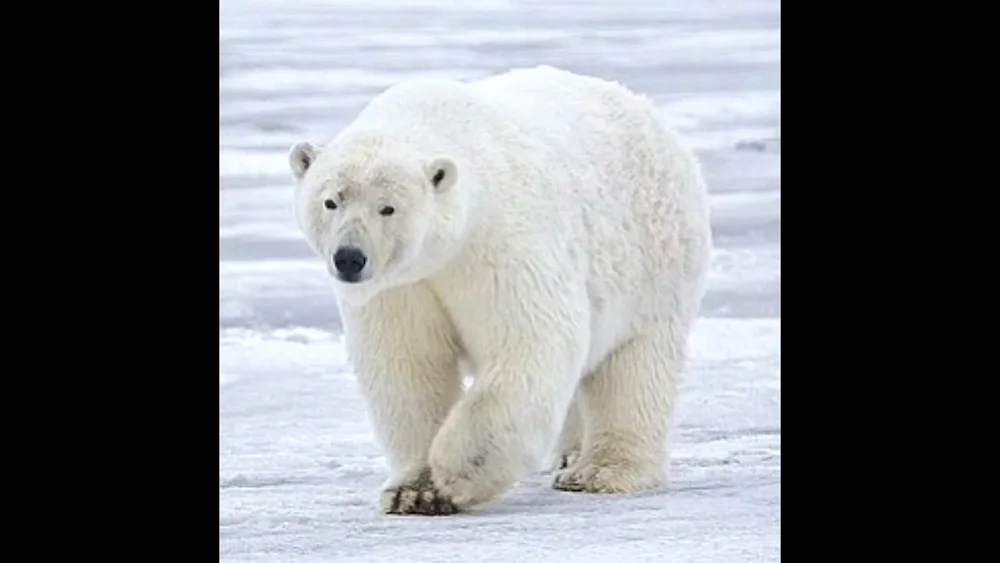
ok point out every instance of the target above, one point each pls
(349, 261)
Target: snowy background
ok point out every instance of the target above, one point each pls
(298, 468)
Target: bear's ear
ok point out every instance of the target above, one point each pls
(301, 157)
(442, 174)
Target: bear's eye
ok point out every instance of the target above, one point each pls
(387, 210)
(330, 204)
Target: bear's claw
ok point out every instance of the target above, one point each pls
(408, 500)
(568, 485)
(419, 497)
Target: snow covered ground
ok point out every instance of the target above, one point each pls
(298, 468)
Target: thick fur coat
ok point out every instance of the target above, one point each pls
(544, 228)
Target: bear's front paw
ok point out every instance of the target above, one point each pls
(610, 475)
(418, 496)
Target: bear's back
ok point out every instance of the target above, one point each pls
(549, 97)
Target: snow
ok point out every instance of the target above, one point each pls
(298, 468)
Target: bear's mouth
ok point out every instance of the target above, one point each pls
(350, 278)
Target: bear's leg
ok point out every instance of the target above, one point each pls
(406, 361)
(409, 409)
(571, 438)
(507, 422)
(527, 329)
(627, 403)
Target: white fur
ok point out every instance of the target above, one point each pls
(563, 254)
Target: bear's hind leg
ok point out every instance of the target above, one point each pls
(627, 403)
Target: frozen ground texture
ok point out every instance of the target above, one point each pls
(298, 468)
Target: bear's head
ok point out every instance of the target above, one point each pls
(379, 213)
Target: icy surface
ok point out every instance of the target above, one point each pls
(298, 468)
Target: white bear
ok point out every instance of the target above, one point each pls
(543, 228)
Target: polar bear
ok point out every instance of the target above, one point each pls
(545, 229)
